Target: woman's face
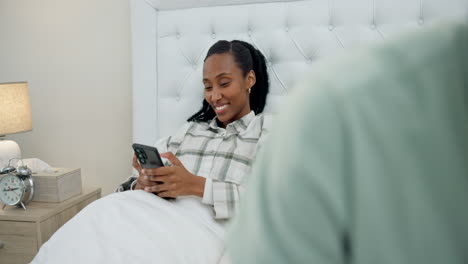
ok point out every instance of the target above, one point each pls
(226, 88)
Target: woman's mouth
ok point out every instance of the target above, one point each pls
(220, 109)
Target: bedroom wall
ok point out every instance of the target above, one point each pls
(75, 54)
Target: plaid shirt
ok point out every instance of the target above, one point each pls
(223, 156)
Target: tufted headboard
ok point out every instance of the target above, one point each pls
(171, 37)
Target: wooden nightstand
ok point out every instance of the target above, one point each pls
(23, 232)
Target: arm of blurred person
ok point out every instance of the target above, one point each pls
(371, 162)
(294, 208)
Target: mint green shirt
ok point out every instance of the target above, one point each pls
(368, 161)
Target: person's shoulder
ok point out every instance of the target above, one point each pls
(180, 133)
(193, 127)
(264, 120)
(187, 126)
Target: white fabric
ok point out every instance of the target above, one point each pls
(169, 45)
(137, 227)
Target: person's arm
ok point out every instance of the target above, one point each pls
(131, 183)
(223, 196)
(128, 184)
(177, 181)
(293, 210)
(174, 180)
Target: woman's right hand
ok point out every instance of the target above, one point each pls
(142, 180)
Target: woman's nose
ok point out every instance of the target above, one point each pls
(215, 96)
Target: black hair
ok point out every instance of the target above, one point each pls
(248, 58)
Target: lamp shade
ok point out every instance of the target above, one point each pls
(15, 109)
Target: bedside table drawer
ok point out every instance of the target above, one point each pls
(24, 231)
(19, 241)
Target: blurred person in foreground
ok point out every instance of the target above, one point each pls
(375, 168)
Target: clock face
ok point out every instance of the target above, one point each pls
(11, 189)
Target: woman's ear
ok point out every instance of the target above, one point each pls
(251, 79)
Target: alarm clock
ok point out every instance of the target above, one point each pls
(16, 186)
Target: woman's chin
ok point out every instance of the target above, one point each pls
(223, 118)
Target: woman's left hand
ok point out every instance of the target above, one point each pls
(175, 180)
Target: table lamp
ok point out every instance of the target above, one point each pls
(15, 117)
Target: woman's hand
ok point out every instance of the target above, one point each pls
(142, 181)
(173, 181)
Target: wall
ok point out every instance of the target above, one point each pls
(75, 54)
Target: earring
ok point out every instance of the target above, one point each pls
(250, 89)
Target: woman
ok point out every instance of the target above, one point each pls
(236, 85)
(210, 157)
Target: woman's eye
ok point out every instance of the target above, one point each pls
(207, 88)
(225, 84)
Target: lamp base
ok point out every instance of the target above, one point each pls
(8, 149)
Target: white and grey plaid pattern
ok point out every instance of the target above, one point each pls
(223, 155)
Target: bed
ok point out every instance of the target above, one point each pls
(169, 41)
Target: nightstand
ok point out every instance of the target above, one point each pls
(22, 232)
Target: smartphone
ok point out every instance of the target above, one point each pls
(148, 157)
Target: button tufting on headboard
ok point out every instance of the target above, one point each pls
(169, 45)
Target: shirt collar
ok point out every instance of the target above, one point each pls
(239, 125)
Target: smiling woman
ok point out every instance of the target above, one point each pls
(210, 158)
(226, 89)
(236, 82)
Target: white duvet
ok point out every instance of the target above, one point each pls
(137, 227)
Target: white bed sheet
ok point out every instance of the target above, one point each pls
(137, 227)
